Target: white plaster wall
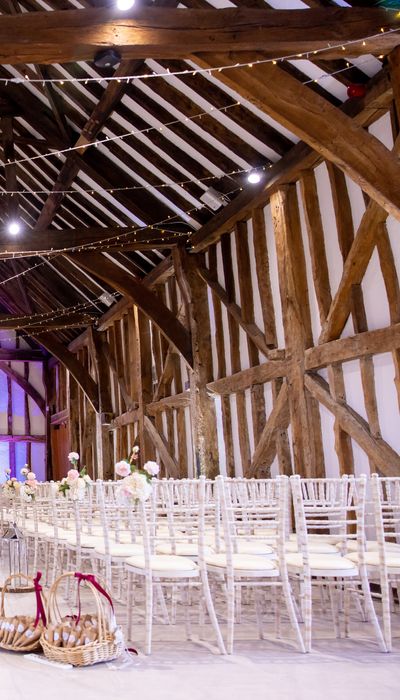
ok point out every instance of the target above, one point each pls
(377, 314)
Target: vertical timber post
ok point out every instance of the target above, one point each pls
(202, 407)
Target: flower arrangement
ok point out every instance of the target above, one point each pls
(77, 480)
(27, 489)
(13, 487)
(136, 483)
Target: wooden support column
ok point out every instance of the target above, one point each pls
(27, 416)
(247, 304)
(194, 293)
(234, 339)
(304, 411)
(344, 222)
(47, 375)
(221, 370)
(391, 280)
(74, 411)
(104, 444)
(143, 379)
(280, 436)
(10, 426)
(182, 447)
(319, 265)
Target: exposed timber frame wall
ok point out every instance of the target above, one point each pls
(294, 318)
(22, 407)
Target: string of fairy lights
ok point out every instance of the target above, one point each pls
(138, 132)
(343, 46)
(37, 319)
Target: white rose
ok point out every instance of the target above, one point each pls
(25, 471)
(30, 476)
(73, 457)
(151, 468)
(142, 487)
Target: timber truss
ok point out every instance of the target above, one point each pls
(117, 221)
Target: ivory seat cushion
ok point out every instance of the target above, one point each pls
(96, 531)
(61, 534)
(256, 546)
(163, 563)
(118, 549)
(332, 539)
(243, 562)
(372, 546)
(314, 547)
(322, 562)
(183, 549)
(372, 559)
(42, 528)
(124, 537)
(87, 541)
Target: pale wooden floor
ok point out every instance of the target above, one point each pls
(180, 670)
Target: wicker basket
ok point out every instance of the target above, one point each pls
(26, 620)
(109, 644)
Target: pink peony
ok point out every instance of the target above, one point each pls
(73, 474)
(123, 468)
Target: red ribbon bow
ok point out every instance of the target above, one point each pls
(40, 611)
(91, 579)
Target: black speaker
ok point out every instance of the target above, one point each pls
(107, 58)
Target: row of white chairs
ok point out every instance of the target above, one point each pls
(219, 543)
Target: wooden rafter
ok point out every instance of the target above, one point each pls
(102, 267)
(50, 239)
(69, 360)
(380, 453)
(329, 131)
(75, 35)
(250, 328)
(356, 346)
(299, 158)
(278, 419)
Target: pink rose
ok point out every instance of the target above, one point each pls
(73, 474)
(123, 468)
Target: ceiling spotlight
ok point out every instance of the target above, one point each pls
(14, 228)
(108, 58)
(254, 177)
(125, 4)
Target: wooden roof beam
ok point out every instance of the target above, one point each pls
(75, 35)
(302, 156)
(57, 239)
(325, 128)
(102, 267)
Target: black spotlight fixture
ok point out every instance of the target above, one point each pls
(107, 58)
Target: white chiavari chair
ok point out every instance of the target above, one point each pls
(153, 570)
(381, 559)
(264, 567)
(334, 510)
